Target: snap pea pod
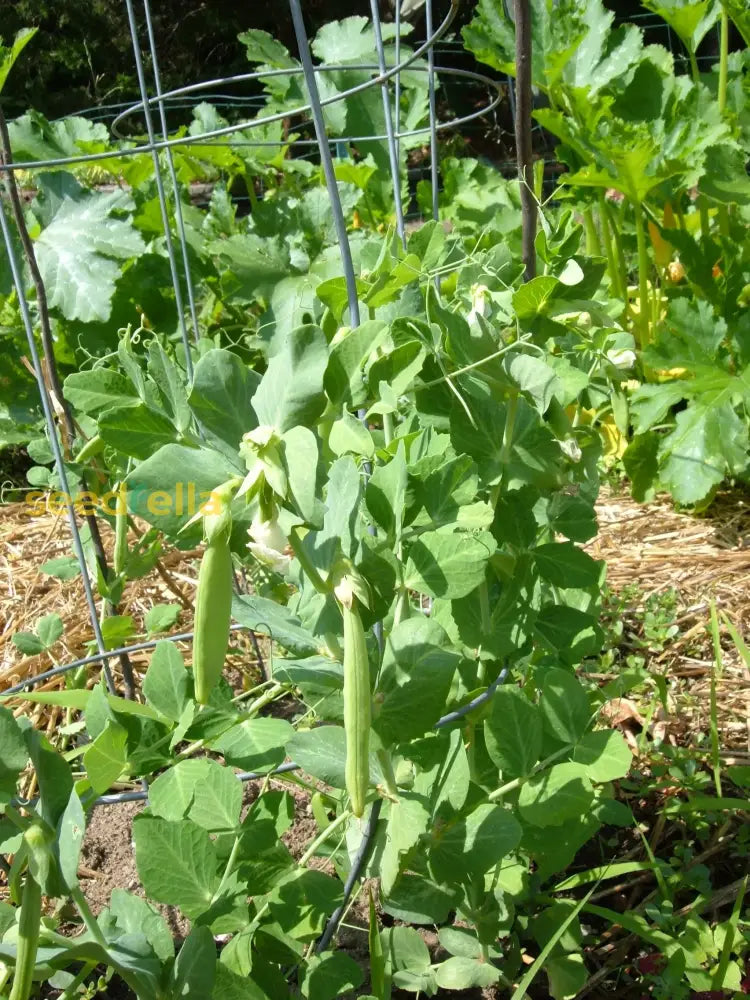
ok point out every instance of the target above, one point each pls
(356, 706)
(28, 937)
(213, 602)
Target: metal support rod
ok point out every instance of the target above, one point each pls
(433, 114)
(388, 119)
(316, 109)
(146, 106)
(522, 11)
(54, 443)
(179, 221)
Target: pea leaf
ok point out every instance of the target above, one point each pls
(449, 566)
(176, 862)
(564, 706)
(513, 732)
(200, 790)
(549, 799)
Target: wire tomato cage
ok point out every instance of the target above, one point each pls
(159, 147)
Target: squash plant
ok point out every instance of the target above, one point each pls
(656, 164)
(410, 493)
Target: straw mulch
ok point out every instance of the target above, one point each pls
(26, 595)
(698, 559)
(654, 547)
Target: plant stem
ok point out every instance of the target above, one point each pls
(705, 223)
(593, 246)
(614, 274)
(89, 919)
(28, 939)
(522, 18)
(511, 786)
(388, 773)
(643, 298)
(229, 868)
(695, 72)
(723, 59)
(307, 567)
(388, 428)
(72, 991)
(323, 837)
(619, 252)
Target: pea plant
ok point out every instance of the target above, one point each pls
(408, 495)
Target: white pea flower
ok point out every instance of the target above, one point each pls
(269, 544)
(621, 358)
(480, 302)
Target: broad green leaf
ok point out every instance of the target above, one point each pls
(475, 844)
(269, 618)
(107, 757)
(221, 395)
(171, 381)
(200, 790)
(572, 516)
(291, 390)
(70, 831)
(564, 565)
(349, 435)
(255, 744)
(530, 299)
(564, 706)
(342, 526)
(62, 568)
(559, 794)
(166, 682)
(418, 900)
(460, 973)
(385, 493)
(161, 617)
(29, 643)
(605, 755)
(79, 252)
(176, 862)
(448, 566)
(415, 678)
(14, 754)
(322, 753)
(303, 902)
(535, 377)
(49, 629)
(642, 465)
(9, 54)
(689, 21)
(407, 821)
(329, 975)
(567, 975)
(135, 915)
(254, 263)
(301, 460)
(99, 389)
(344, 379)
(513, 733)
(169, 487)
(137, 430)
(708, 442)
(568, 632)
(443, 770)
(195, 969)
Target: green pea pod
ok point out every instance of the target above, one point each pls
(356, 706)
(28, 939)
(213, 600)
(213, 607)
(94, 446)
(120, 554)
